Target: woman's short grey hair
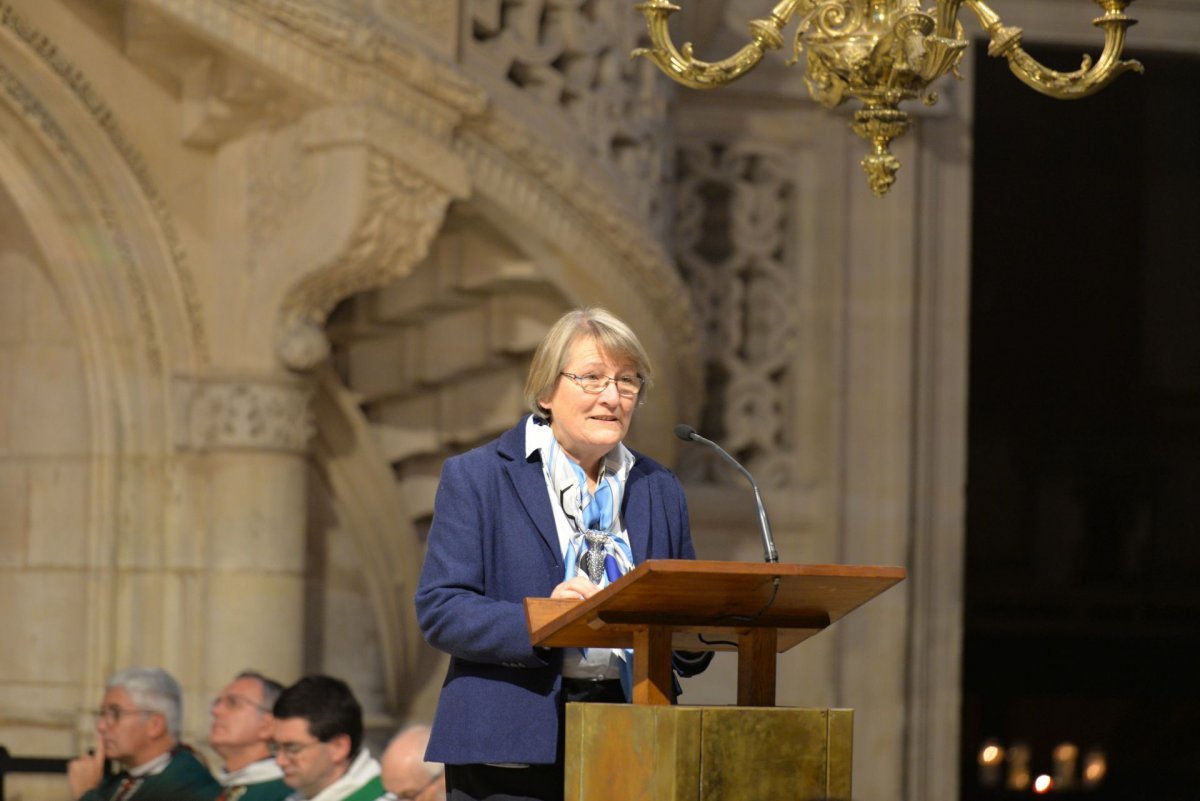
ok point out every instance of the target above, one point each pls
(614, 338)
(153, 690)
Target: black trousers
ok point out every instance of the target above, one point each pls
(536, 782)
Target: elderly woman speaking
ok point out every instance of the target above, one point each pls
(556, 507)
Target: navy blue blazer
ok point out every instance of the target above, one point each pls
(493, 543)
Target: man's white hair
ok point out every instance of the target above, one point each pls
(152, 689)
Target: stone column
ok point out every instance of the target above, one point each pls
(245, 439)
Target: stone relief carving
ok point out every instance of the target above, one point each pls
(731, 236)
(245, 413)
(223, 99)
(333, 25)
(404, 211)
(573, 56)
(437, 18)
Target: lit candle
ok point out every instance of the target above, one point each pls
(1094, 767)
(991, 758)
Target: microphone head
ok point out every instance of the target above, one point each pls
(685, 432)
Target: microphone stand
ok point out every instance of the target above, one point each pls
(770, 555)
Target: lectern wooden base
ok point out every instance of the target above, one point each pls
(751, 752)
(623, 752)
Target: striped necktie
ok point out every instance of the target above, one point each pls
(127, 788)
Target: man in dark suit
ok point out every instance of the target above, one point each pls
(138, 725)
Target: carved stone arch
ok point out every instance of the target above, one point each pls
(109, 248)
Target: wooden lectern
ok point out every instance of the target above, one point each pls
(653, 750)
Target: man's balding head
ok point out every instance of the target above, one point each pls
(406, 774)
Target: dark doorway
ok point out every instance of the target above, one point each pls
(1082, 621)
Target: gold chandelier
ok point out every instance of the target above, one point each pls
(883, 52)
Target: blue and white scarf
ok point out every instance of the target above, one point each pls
(594, 516)
(598, 511)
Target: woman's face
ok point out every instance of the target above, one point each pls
(589, 426)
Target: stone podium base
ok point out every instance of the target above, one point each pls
(624, 752)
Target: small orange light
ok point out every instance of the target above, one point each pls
(1095, 765)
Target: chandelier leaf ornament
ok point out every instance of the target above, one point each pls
(882, 53)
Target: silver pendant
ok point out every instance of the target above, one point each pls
(591, 561)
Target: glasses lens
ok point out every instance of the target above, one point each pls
(290, 750)
(112, 714)
(629, 386)
(593, 384)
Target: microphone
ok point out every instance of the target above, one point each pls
(688, 434)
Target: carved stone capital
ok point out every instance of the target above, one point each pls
(402, 208)
(244, 413)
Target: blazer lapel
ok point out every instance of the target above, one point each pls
(637, 513)
(530, 485)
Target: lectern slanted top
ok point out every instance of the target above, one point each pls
(757, 609)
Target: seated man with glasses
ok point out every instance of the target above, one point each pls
(241, 732)
(406, 774)
(138, 724)
(318, 743)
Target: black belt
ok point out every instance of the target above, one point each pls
(594, 690)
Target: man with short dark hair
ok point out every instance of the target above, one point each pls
(318, 743)
(138, 724)
(241, 732)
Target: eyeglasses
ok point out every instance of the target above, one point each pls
(112, 715)
(291, 750)
(628, 386)
(233, 702)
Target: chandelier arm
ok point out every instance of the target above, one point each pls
(946, 17)
(1088, 79)
(683, 67)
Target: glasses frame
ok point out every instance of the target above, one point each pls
(234, 701)
(111, 715)
(290, 751)
(608, 379)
